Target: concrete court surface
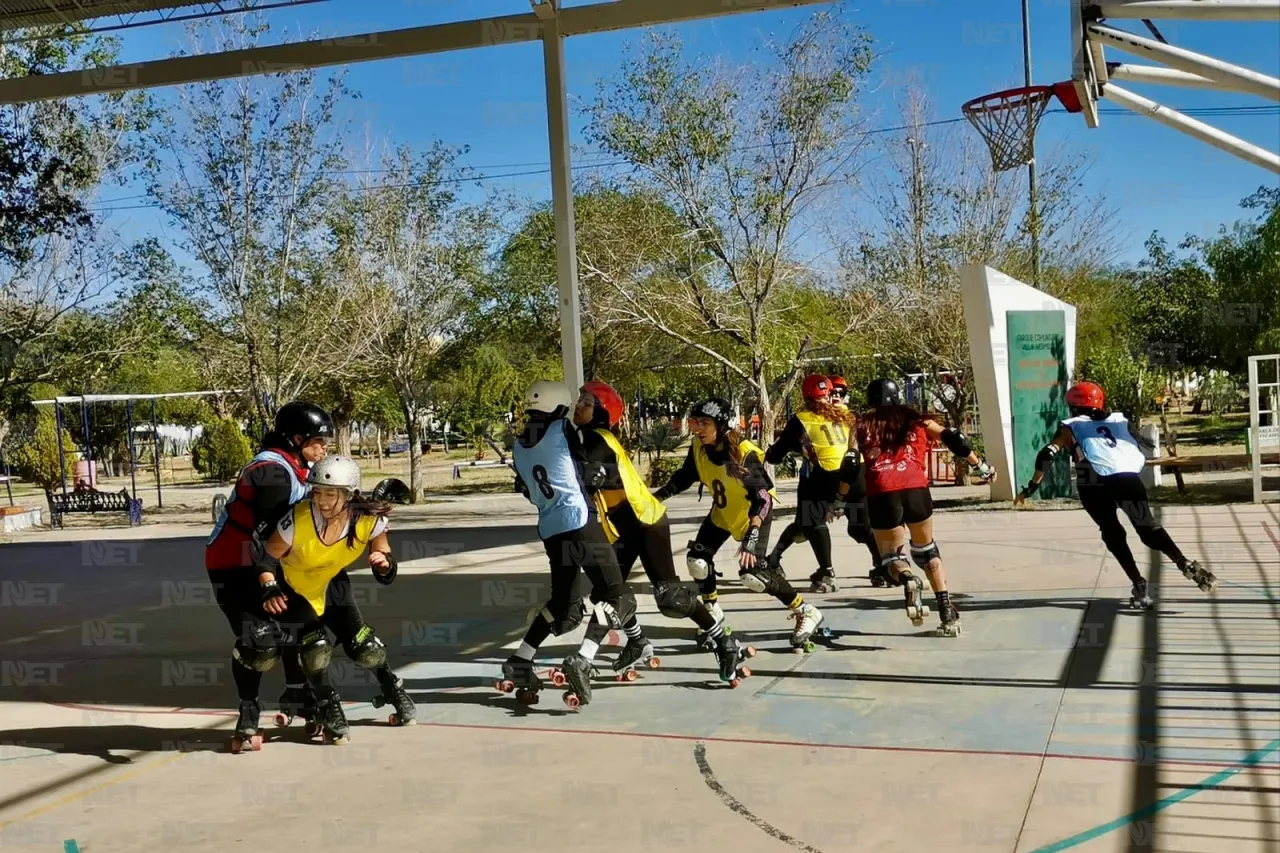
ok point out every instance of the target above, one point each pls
(1057, 721)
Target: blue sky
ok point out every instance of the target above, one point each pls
(492, 99)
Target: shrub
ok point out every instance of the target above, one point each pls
(36, 459)
(221, 450)
(660, 470)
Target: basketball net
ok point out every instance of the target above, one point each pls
(1008, 120)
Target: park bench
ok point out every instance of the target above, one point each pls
(1216, 462)
(92, 501)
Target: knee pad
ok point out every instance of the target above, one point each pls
(675, 602)
(259, 660)
(366, 649)
(316, 653)
(763, 578)
(614, 614)
(921, 555)
(569, 621)
(700, 561)
(894, 562)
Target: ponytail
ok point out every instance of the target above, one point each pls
(360, 506)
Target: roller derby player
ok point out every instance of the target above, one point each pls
(742, 508)
(273, 481)
(320, 537)
(1107, 465)
(636, 523)
(851, 494)
(894, 440)
(819, 432)
(553, 473)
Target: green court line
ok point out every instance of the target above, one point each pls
(70, 846)
(1160, 805)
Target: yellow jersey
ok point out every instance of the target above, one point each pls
(648, 509)
(730, 507)
(829, 440)
(310, 564)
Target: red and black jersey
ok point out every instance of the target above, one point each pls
(905, 468)
(267, 487)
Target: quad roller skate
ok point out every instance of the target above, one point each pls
(808, 618)
(880, 578)
(330, 721)
(1198, 575)
(394, 694)
(247, 733)
(1138, 598)
(950, 626)
(917, 610)
(518, 675)
(296, 703)
(823, 580)
(635, 654)
(730, 653)
(576, 671)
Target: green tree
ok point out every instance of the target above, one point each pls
(222, 450)
(36, 456)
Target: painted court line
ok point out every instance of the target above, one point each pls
(1213, 781)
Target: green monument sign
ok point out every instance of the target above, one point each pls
(1037, 389)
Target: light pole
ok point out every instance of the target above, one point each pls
(1033, 204)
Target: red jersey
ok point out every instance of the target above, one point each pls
(896, 472)
(271, 483)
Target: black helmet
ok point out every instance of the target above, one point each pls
(714, 409)
(305, 419)
(883, 392)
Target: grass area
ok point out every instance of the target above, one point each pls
(1221, 433)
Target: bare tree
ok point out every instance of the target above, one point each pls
(733, 165)
(246, 169)
(940, 207)
(417, 252)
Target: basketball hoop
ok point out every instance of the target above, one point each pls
(1007, 120)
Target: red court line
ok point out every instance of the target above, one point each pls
(709, 739)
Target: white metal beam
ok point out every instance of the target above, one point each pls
(1192, 10)
(367, 47)
(1232, 77)
(1159, 75)
(1204, 132)
(562, 203)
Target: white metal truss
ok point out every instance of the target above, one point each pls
(548, 22)
(1094, 76)
(127, 15)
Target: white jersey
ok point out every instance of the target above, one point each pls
(1107, 445)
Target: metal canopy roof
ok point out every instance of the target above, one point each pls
(16, 14)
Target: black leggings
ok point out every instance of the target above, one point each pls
(239, 597)
(711, 538)
(814, 497)
(1102, 496)
(588, 552)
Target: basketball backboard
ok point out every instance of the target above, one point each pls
(1088, 66)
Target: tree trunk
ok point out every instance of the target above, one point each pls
(342, 428)
(414, 433)
(378, 439)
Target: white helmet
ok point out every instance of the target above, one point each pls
(548, 397)
(335, 472)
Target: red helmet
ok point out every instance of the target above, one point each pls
(815, 385)
(609, 398)
(837, 382)
(1086, 395)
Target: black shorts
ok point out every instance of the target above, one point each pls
(239, 597)
(814, 497)
(711, 537)
(890, 510)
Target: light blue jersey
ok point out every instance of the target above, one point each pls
(549, 472)
(1107, 445)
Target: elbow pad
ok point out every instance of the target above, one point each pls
(957, 442)
(1044, 459)
(390, 576)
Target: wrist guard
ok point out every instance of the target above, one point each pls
(984, 470)
(390, 575)
(270, 589)
(751, 541)
(1029, 489)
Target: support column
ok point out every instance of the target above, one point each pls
(562, 202)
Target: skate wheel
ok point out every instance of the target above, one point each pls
(393, 720)
(281, 721)
(750, 651)
(629, 675)
(255, 743)
(734, 683)
(572, 701)
(504, 686)
(236, 745)
(654, 663)
(746, 671)
(558, 678)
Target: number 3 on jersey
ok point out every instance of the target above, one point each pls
(544, 486)
(719, 497)
(1107, 436)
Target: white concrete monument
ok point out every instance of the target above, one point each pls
(1033, 382)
